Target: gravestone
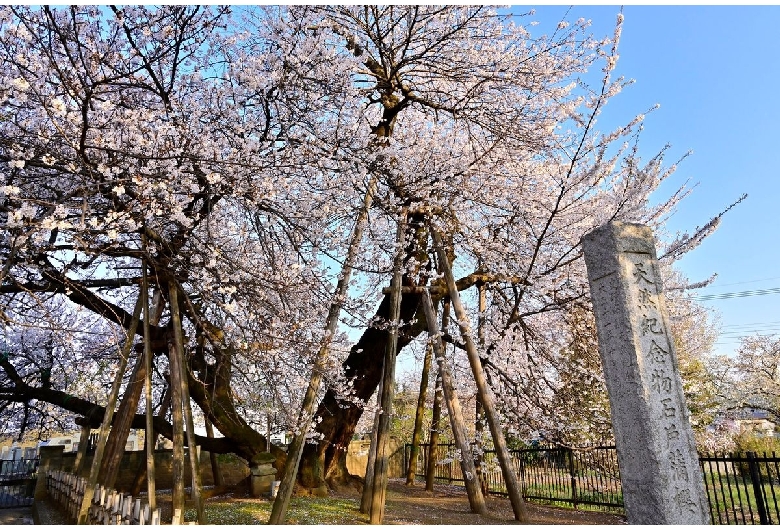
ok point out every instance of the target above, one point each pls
(659, 466)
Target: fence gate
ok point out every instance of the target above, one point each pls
(17, 482)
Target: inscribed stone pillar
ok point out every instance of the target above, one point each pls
(659, 466)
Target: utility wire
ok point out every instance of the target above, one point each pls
(739, 294)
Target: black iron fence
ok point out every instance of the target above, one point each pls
(742, 488)
(17, 482)
(555, 475)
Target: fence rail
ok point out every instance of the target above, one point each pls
(742, 488)
(108, 506)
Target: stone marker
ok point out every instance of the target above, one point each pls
(659, 466)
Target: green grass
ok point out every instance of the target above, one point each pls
(725, 497)
(302, 510)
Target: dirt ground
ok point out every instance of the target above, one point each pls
(448, 505)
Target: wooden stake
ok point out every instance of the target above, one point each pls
(295, 450)
(476, 499)
(377, 512)
(479, 424)
(504, 458)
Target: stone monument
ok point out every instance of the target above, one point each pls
(262, 474)
(659, 466)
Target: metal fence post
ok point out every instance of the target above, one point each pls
(573, 474)
(406, 457)
(755, 478)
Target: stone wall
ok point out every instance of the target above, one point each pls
(233, 469)
(357, 457)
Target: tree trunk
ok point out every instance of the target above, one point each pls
(326, 460)
(411, 472)
(476, 499)
(504, 458)
(86, 430)
(117, 438)
(141, 475)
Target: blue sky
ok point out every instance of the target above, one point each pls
(715, 71)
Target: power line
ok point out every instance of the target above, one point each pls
(739, 294)
(749, 324)
(743, 283)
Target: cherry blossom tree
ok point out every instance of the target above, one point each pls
(752, 380)
(242, 144)
(158, 122)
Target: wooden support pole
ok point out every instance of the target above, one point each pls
(86, 430)
(502, 452)
(215, 470)
(149, 431)
(308, 407)
(141, 475)
(377, 512)
(108, 416)
(476, 499)
(197, 483)
(418, 417)
(433, 439)
(368, 479)
(479, 424)
(177, 419)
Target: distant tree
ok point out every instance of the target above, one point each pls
(753, 380)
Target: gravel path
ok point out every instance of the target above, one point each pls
(20, 515)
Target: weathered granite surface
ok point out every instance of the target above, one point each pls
(659, 469)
